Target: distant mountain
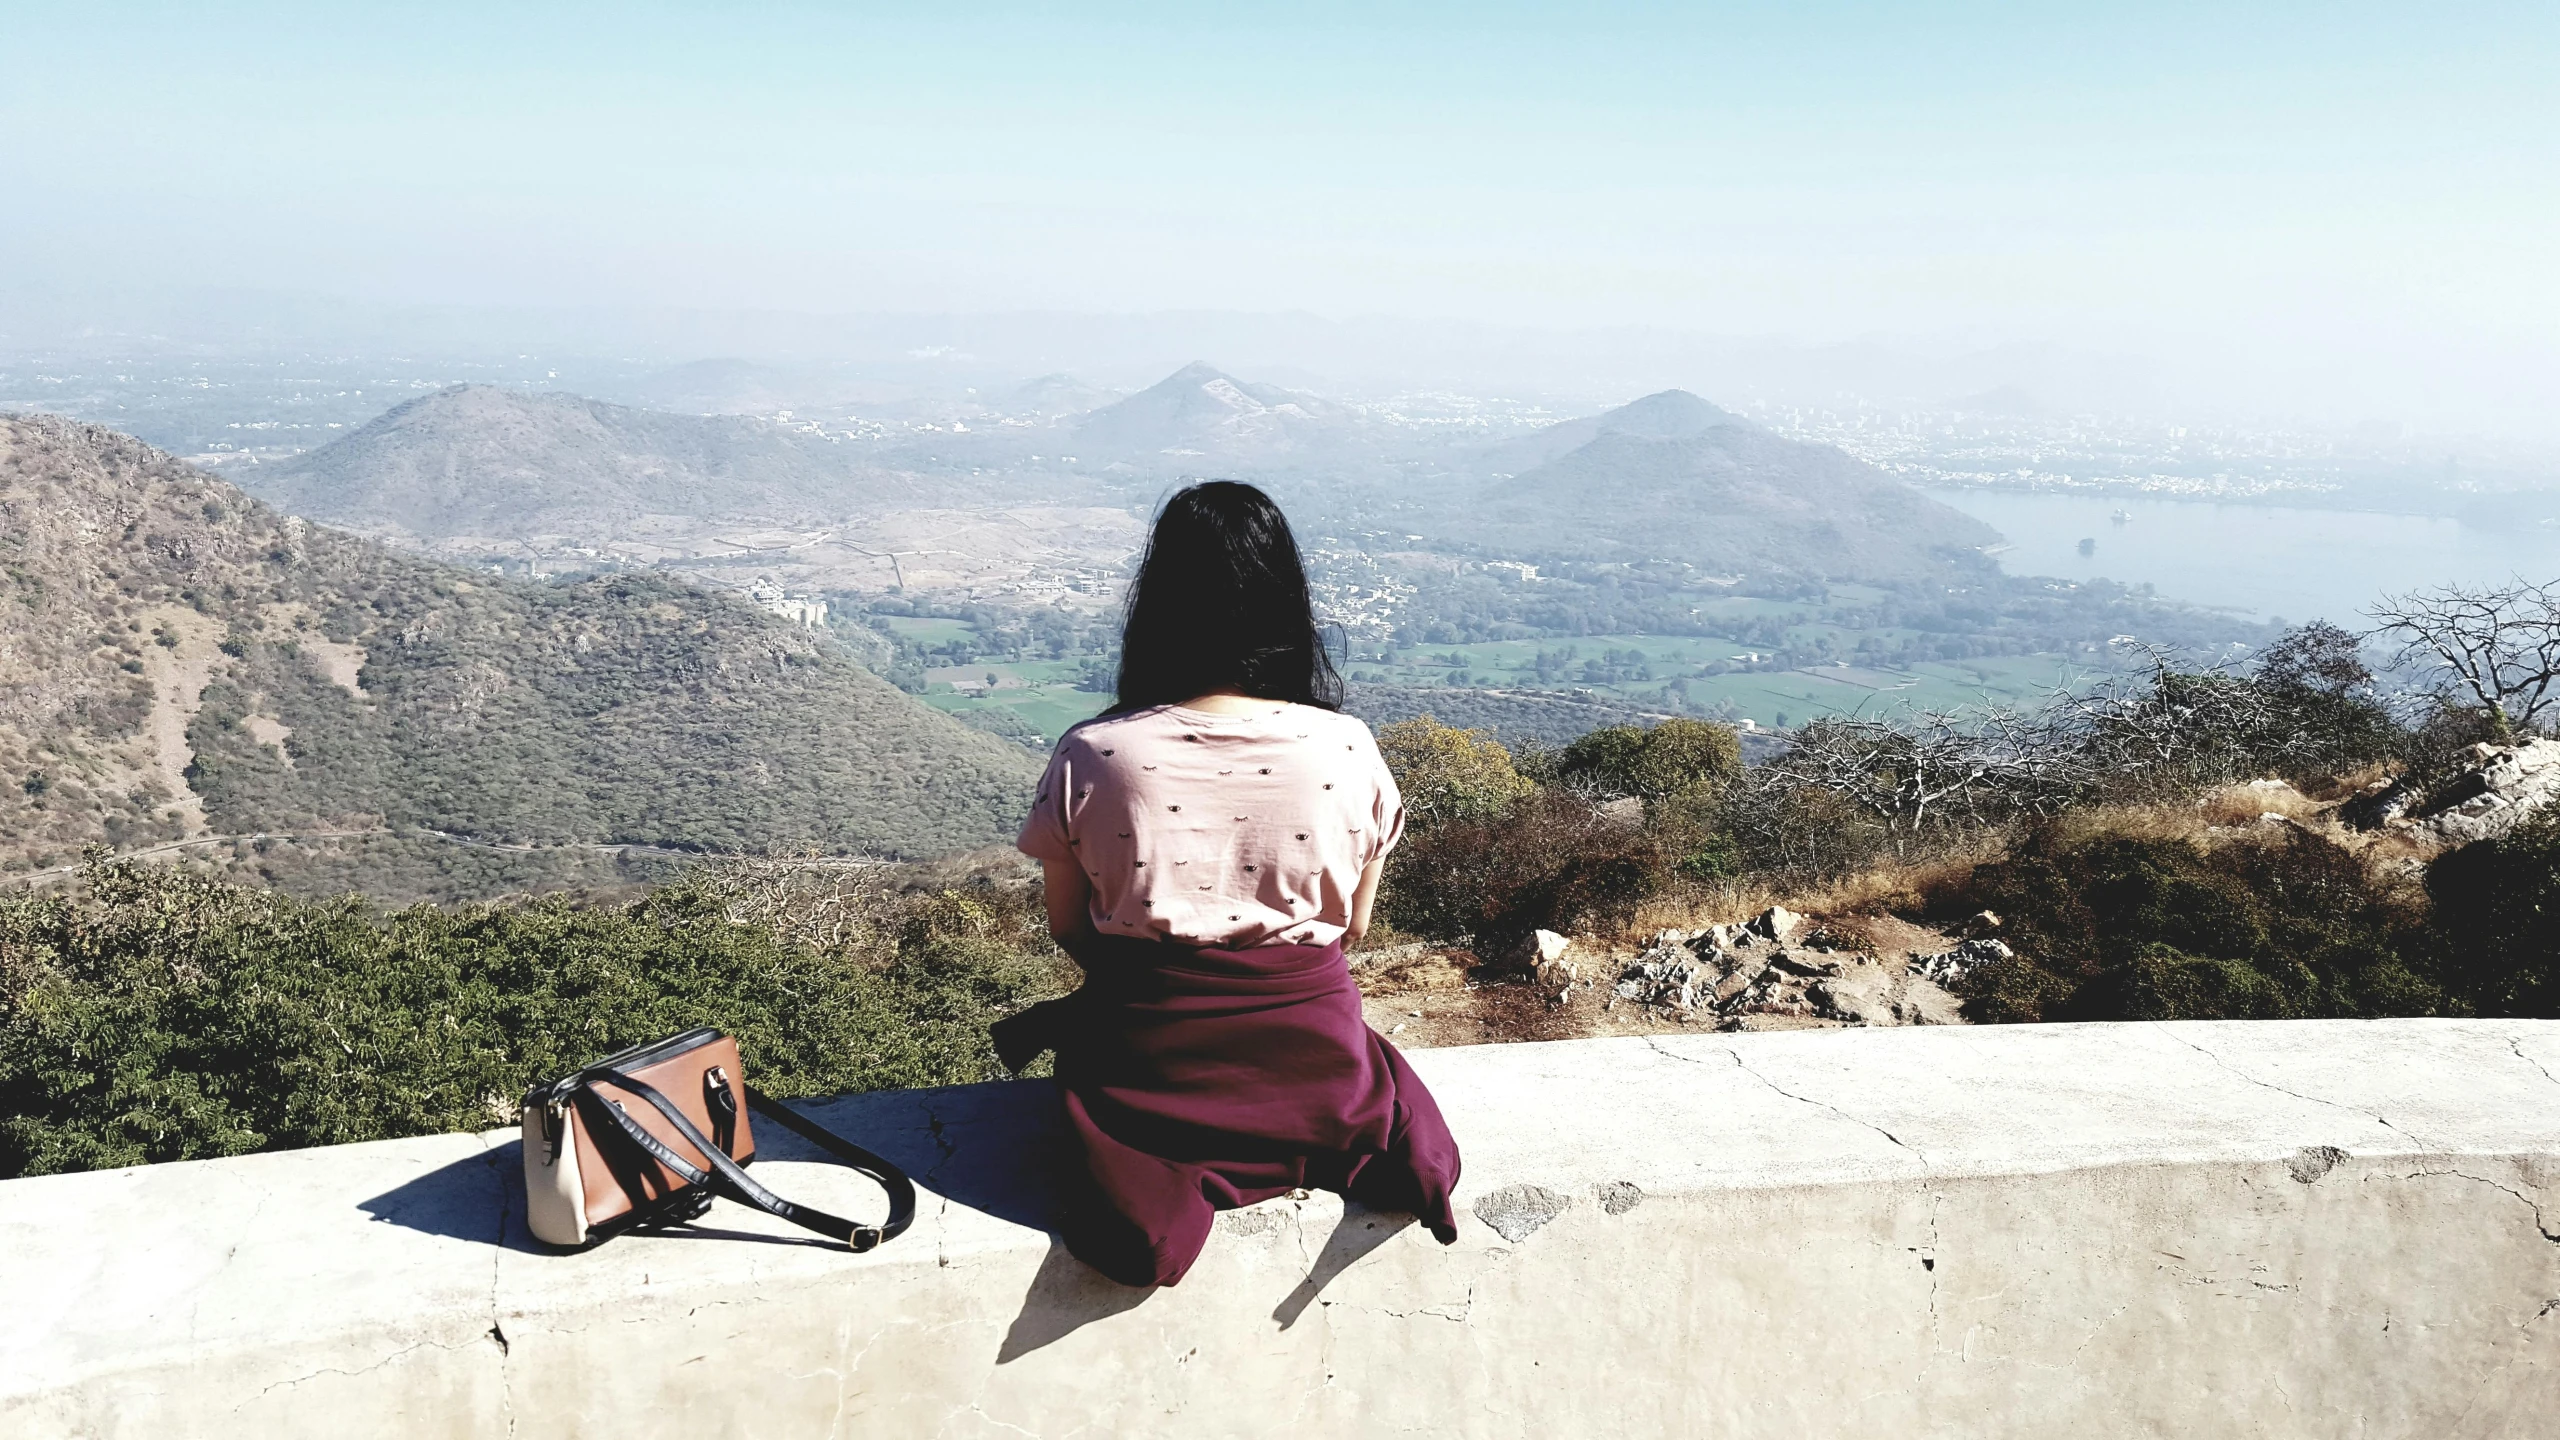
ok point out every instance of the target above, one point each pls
(1053, 396)
(1666, 415)
(2005, 402)
(479, 461)
(1731, 498)
(178, 660)
(1199, 411)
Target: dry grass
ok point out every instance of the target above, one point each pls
(1902, 886)
(1935, 884)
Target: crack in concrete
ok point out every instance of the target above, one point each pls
(1465, 1312)
(409, 1349)
(1929, 1261)
(2413, 1139)
(2521, 1198)
(497, 1261)
(950, 1149)
(1740, 1064)
(941, 1141)
(2517, 1046)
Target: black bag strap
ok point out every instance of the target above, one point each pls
(728, 1178)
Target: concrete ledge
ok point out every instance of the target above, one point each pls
(2314, 1229)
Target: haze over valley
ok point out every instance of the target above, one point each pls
(1516, 561)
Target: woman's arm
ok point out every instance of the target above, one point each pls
(1068, 893)
(1361, 899)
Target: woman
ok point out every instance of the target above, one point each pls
(1208, 845)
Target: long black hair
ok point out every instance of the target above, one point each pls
(1220, 603)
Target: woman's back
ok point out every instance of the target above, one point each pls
(1227, 830)
(1205, 851)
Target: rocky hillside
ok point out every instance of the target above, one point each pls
(477, 461)
(178, 660)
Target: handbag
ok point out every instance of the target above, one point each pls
(647, 1138)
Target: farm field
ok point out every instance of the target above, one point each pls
(1637, 668)
(1654, 671)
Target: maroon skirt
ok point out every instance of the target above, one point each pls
(1203, 1080)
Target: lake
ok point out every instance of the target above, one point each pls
(2272, 561)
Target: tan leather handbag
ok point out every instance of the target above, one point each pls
(648, 1136)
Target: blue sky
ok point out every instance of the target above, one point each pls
(2300, 182)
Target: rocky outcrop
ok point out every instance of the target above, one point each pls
(1771, 966)
(2498, 788)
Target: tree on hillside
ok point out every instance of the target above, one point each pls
(2317, 657)
(1935, 767)
(2495, 648)
(2323, 716)
(1449, 774)
(1671, 759)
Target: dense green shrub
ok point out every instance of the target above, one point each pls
(2130, 927)
(1551, 862)
(1446, 773)
(2496, 928)
(1676, 757)
(159, 1016)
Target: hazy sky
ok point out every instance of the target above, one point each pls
(2339, 194)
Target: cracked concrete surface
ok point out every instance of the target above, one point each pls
(1983, 1231)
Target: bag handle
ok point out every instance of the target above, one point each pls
(728, 1178)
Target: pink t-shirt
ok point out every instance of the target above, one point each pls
(1225, 830)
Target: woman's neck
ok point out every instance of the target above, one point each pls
(1229, 702)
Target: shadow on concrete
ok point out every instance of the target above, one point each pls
(993, 1147)
(1360, 1231)
(997, 1148)
(479, 1197)
(1065, 1296)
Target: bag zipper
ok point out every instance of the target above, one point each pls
(552, 1100)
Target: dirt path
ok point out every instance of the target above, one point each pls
(177, 676)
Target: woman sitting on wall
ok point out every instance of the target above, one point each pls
(1209, 844)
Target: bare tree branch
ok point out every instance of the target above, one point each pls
(2496, 648)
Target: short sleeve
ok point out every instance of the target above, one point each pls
(1387, 816)
(1044, 830)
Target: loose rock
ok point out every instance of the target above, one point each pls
(1952, 967)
